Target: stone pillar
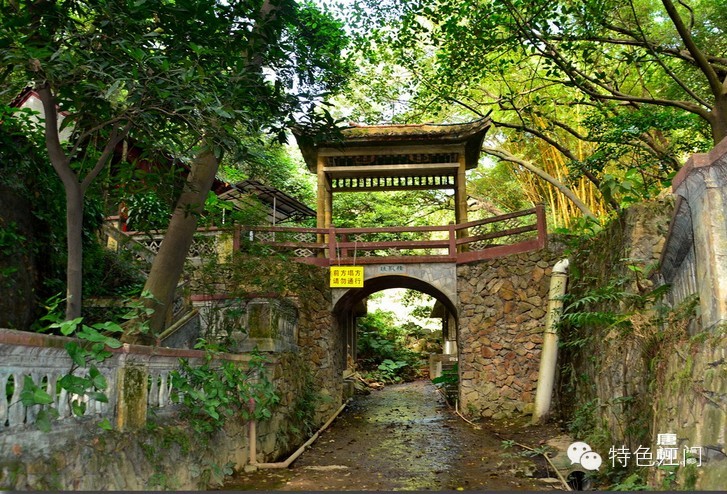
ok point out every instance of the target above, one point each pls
(131, 394)
(702, 182)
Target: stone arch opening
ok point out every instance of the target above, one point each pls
(354, 296)
(352, 304)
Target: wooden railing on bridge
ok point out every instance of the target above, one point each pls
(467, 242)
(489, 238)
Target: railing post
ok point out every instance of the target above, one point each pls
(452, 240)
(542, 225)
(344, 252)
(236, 238)
(331, 242)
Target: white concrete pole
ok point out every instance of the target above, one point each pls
(549, 353)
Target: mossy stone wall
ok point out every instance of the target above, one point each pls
(624, 384)
(164, 454)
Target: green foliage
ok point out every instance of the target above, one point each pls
(580, 230)
(449, 383)
(258, 271)
(23, 170)
(146, 211)
(110, 274)
(220, 389)
(304, 408)
(507, 443)
(612, 303)
(691, 476)
(377, 209)
(167, 74)
(633, 482)
(276, 165)
(586, 425)
(496, 188)
(10, 241)
(602, 85)
(174, 63)
(211, 474)
(382, 351)
(616, 303)
(25, 173)
(389, 370)
(219, 212)
(32, 394)
(449, 377)
(583, 312)
(10, 238)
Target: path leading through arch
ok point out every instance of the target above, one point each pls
(404, 437)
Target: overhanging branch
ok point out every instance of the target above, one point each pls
(563, 189)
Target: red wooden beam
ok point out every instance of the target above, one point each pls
(503, 233)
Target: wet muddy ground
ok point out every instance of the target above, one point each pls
(405, 437)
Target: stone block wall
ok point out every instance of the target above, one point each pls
(320, 341)
(607, 368)
(250, 280)
(167, 454)
(269, 324)
(502, 307)
(661, 374)
(692, 404)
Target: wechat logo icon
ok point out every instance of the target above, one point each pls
(582, 454)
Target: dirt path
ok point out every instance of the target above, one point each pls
(403, 437)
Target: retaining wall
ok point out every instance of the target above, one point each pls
(501, 308)
(150, 446)
(625, 385)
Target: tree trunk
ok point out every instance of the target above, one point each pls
(169, 262)
(719, 121)
(74, 243)
(74, 204)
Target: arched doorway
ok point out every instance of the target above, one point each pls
(352, 304)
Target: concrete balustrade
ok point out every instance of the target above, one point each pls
(138, 379)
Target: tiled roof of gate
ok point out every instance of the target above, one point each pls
(471, 134)
(408, 132)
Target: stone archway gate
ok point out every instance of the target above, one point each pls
(495, 280)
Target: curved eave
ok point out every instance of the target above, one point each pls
(470, 134)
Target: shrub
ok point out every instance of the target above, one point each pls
(382, 351)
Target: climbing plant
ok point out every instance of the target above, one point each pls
(619, 335)
(220, 389)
